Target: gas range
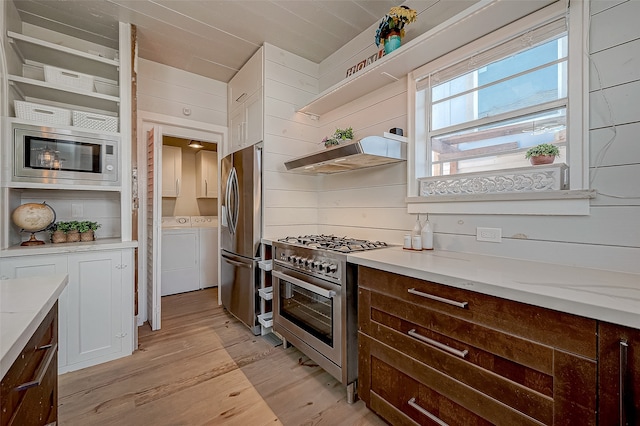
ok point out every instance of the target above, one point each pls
(324, 256)
(333, 243)
(314, 296)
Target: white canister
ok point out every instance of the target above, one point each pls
(427, 236)
(416, 242)
(407, 242)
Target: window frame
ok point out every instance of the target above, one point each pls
(573, 201)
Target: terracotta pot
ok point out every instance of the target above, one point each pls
(58, 237)
(542, 159)
(73, 236)
(87, 236)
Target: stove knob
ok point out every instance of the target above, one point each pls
(291, 259)
(324, 267)
(333, 268)
(316, 264)
(301, 261)
(308, 263)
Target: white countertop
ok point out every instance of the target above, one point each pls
(593, 293)
(61, 248)
(24, 303)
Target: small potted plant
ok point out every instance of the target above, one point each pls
(87, 230)
(58, 232)
(338, 137)
(73, 235)
(544, 153)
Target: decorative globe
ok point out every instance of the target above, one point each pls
(33, 217)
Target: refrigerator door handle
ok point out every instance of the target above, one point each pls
(227, 201)
(236, 200)
(233, 262)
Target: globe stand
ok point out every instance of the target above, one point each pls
(33, 241)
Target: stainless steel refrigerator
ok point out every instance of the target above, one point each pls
(241, 231)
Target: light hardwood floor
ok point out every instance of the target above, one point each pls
(205, 368)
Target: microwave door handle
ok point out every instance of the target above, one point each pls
(307, 286)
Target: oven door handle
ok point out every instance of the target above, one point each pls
(313, 288)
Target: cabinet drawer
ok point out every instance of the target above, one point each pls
(481, 358)
(33, 403)
(552, 328)
(397, 378)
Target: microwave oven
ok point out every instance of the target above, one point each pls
(55, 156)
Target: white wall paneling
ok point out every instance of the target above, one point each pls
(614, 25)
(619, 151)
(168, 91)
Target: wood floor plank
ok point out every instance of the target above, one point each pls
(205, 368)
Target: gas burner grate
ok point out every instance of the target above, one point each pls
(333, 243)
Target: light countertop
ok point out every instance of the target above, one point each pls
(593, 293)
(49, 248)
(24, 303)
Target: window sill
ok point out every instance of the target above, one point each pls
(559, 203)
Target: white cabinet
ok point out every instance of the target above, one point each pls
(208, 257)
(100, 306)
(206, 174)
(96, 309)
(171, 171)
(246, 104)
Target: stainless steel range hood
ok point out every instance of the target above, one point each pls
(367, 152)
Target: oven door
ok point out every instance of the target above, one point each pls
(309, 309)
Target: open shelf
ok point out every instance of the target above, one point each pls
(480, 19)
(61, 56)
(36, 89)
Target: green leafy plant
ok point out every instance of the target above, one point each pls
(73, 226)
(60, 226)
(542, 149)
(340, 135)
(87, 225)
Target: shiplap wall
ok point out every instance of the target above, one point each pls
(168, 91)
(370, 203)
(290, 199)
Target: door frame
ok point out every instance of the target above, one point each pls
(176, 127)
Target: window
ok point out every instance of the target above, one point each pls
(478, 109)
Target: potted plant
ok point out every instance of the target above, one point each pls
(391, 28)
(87, 230)
(338, 137)
(73, 235)
(58, 232)
(544, 153)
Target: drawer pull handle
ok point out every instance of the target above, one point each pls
(412, 402)
(438, 298)
(438, 345)
(41, 371)
(624, 402)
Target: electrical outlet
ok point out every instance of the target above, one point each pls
(492, 235)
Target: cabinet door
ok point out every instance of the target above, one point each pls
(171, 171)
(31, 266)
(236, 130)
(254, 120)
(95, 305)
(206, 174)
(619, 375)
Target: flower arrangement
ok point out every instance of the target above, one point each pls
(338, 137)
(395, 20)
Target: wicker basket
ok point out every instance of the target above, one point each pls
(72, 79)
(42, 113)
(95, 121)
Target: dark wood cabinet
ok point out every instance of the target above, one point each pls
(618, 375)
(29, 390)
(434, 354)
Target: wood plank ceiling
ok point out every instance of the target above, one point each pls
(212, 38)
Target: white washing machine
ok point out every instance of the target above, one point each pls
(180, 256)
(208, 235)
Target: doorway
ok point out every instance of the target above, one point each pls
(152, 129)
